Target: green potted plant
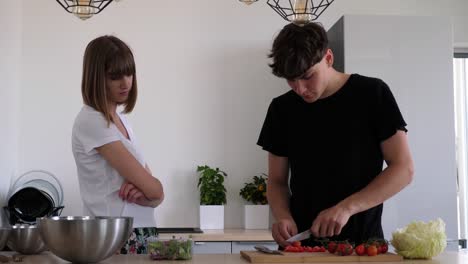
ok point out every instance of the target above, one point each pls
(212, 197)
(256, 214)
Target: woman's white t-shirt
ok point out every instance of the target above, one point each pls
(99, 181)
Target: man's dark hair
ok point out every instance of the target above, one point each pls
(297, 48)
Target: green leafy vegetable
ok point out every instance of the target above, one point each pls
(170, 249)
(420, 240)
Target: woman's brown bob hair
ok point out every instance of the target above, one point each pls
(107, 56)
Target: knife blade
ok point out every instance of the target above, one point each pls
(301, 236)
(267, 250)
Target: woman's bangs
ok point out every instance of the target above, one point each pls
(121, 64)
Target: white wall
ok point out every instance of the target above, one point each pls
(460, 34)
(204, 87)
(413, 55)
(453, 8)
(10, 69)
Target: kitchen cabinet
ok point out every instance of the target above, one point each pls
(229, 247)
(200, 247)
(227, 241)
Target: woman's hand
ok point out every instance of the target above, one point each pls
(128, 192)
(118, 156)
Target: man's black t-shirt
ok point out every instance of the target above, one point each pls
(333, 148)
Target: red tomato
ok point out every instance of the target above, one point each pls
(289, 249)
(379, 249)
(384, 248)
(372, 250)
(332, 247)
(308, 249)
(381, 245)
(296, 244)
(344, 249)
(292, 249)
(360, 250)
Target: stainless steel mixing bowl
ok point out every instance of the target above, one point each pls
(25, 239)
(84, 239)
(4, 232)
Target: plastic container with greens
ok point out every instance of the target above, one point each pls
(171, 249)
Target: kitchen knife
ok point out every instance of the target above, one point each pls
(267, 250)
(301, 236)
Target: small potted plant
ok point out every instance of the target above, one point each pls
(212, 197)
(256, 216)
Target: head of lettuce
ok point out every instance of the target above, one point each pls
(420, 240)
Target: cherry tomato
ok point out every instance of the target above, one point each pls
(372, 250)
(296, 244)
(384, 248)
(307, 249)
(360, 250)
(332, 247)
(379, 249)
(344, 249)
(289, 248)
(381, 245)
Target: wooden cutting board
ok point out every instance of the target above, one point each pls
(307, 257)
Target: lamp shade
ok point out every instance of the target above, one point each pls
(84, 9)
(299, 11)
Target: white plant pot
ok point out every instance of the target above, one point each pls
(211, 217)
(256, 216)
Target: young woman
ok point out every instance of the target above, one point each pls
(113, 175)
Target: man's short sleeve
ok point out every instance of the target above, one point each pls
(273, 136)
(92, 131)
(388, 116)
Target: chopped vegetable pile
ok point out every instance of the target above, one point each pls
(371, 247)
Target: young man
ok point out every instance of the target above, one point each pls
(332, 131)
